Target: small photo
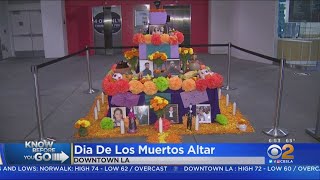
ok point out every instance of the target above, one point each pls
(171, 113)
(146, 67)
(142, 114)
(118, 114)
(157, 29)
(203, 113)
(173, 66)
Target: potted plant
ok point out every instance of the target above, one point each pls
(82, 126)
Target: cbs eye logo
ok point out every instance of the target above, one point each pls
(275, 151)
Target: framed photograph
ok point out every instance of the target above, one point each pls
(118, 114)
(142, 114)
(203, 113)
(173, 66)
(157, 29)
(171, 113)
(146, 67)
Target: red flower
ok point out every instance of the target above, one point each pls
(122, 85)
(165, 122)
(180, 36)
(156, 39)
(214, 81)
(111, 87)
(201, 84)
(173, 40)
(138, 38)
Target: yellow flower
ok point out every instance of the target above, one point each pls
(179, 50)
(160, 101)
(190, 51)
(185, 52)
(166, 101)
(151, 57)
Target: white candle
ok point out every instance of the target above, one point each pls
(227, 100)
(102, 98)
(122, 127)
(160, 125)
(219, 93)
(95, 113)
(98, 105)
(234, 110)
(197, 124)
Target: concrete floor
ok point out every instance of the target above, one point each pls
(63, 101)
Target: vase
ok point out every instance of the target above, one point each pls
(194, 66)
(83, 132)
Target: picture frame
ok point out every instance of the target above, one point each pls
(118, 114)
(172, 113)
(161, 29)
(142, 114)
(173, 67)
(203, 113)
(143, 67)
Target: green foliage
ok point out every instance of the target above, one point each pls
(222, 119)
(106, 123)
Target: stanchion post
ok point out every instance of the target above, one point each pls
(275, 131)
(227, 87)
(315, 132)
(90, 90)
(34, 71)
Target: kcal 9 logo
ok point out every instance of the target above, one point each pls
(275, 151)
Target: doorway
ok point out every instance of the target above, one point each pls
(180, 19)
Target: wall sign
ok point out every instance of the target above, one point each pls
(99, 25)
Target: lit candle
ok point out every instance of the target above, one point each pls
(98, 105)
(95, 113)
(227, 100)
(219, 93)
(160, 125)
(102, 98)
(122, 127)
(234, 110)
(197, 125)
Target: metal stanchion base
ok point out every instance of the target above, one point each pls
(312, 132)
(276, 132)
(228, 88)
(91, 91)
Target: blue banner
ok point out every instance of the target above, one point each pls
(45, 159)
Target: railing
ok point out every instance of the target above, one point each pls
(275, 131)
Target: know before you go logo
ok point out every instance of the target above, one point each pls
(281, 154)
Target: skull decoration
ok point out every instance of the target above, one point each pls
(117, 76)
(204, 72)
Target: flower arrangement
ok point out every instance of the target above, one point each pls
(112, 87)
(158, 105)
(150, 88)
(175, 83)
(173, 38)
(106, 123)
(158, 58)
(188, 85)
(132, 57)
(136, 86)
(82, 125)
(185, 55)
(161, 83)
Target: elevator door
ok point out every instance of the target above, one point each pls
(107, 25)
(180, 19)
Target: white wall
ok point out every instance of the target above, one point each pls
(252, 25)
(219, 25)
(54, 28)
(5, 45)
